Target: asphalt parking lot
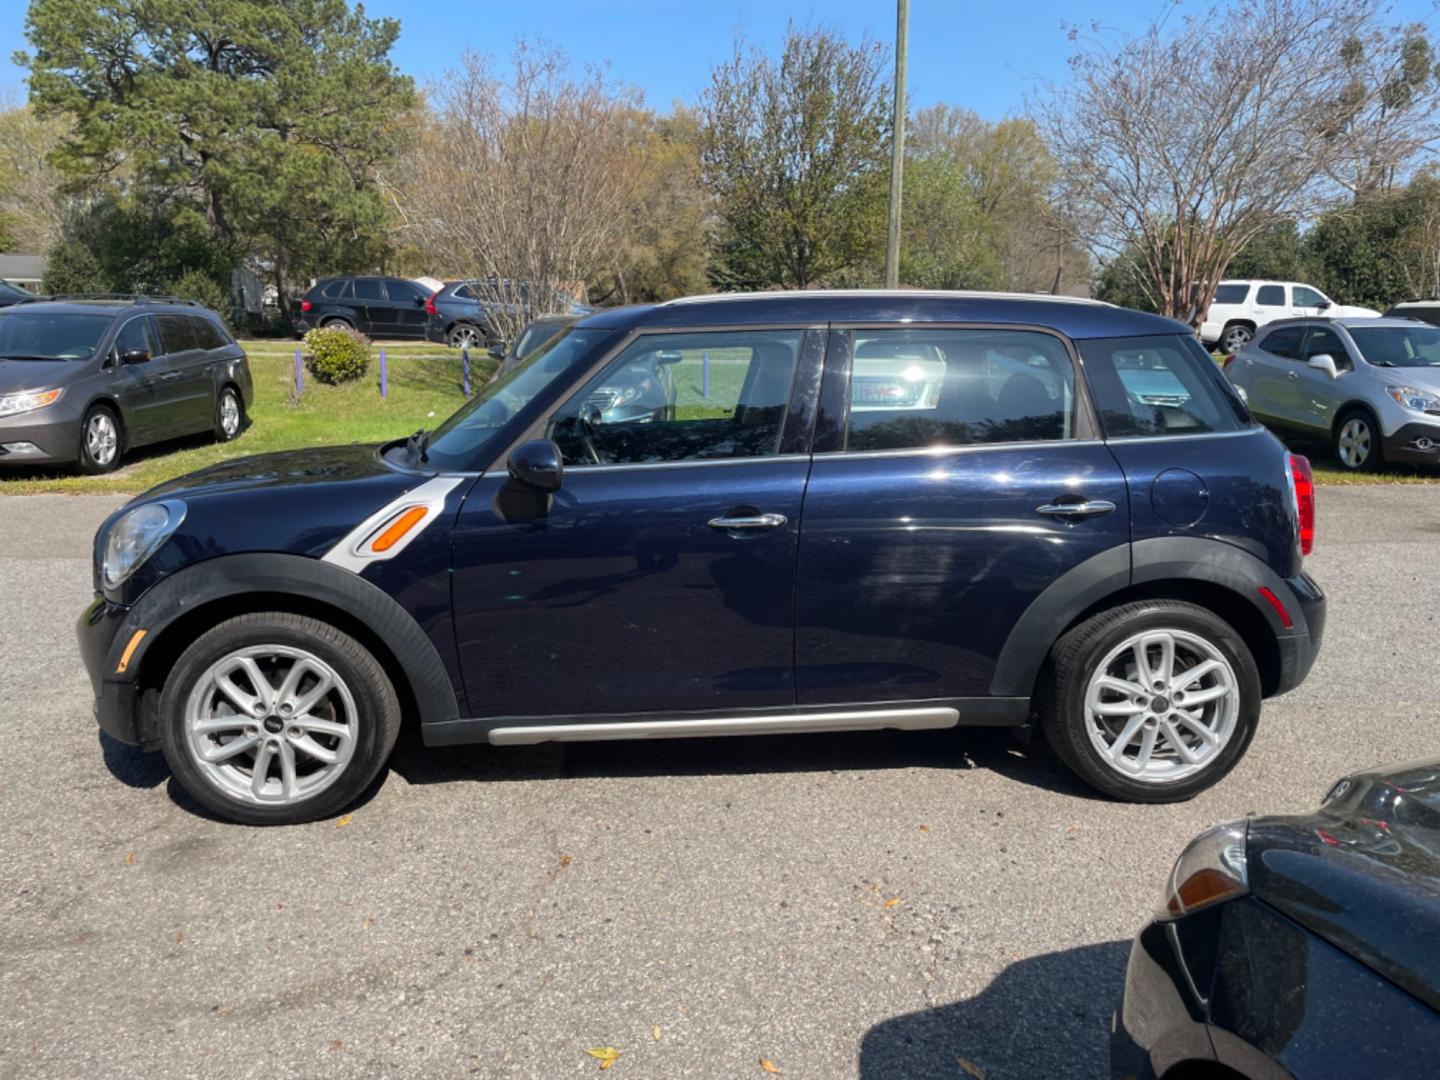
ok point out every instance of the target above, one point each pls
(871, 905)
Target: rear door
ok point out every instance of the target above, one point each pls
(1270, 301)
(188, 386)
(958, 472)
(1268, 372)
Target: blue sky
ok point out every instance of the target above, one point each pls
(983, 56)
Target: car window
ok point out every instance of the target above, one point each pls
(50, 335)
(1284, 342)
(1270, 295)
(1160, 385)
(404, 291)
(136, 334)
(1399, 346)
(177, 332)
(337, 290)
(1306, 296)
(1231, 294)
(369, 289)
(207, 334)
(1324, 340)
(462, 292)
(945, 387)
(683, 397)
(1424, 312)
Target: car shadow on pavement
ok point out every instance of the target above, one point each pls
(1042, 1017)
(1032, 764)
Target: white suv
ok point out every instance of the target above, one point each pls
(1242, 307)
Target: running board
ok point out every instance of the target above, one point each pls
(915, 719)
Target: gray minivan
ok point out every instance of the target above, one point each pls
(1368, 387)
(84, 380)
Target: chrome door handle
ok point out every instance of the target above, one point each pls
(1292, 374)
(1088, 508)
(170, 376)
(751, 521)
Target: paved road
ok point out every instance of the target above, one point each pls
(496, 913)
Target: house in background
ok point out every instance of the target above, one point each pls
(26, 271)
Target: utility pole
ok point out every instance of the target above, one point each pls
(897, 146)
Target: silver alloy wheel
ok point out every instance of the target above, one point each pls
(1354, 443)
(229, 414)
(101, 439)
(1162, 705)
(465, 337)
(271, 725)
(1235, 338)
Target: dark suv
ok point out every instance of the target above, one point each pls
(379, 307)
(809, 512)
(84, 380)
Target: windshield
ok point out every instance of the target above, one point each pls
(1399, 346)
(50, 335)
(460, 442)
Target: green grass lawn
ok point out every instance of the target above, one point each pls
(424, 388)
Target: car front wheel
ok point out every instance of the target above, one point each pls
(1152, 701)
(100, 441)
(1357, 442)
(276, 719)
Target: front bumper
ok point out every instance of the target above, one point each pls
(102, 649)
(1160, 1019)
(53, 438)
(1414, 444)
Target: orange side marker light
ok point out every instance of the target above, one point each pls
(397, 529)
(129, 652)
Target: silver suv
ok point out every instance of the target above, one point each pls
(1370, 388)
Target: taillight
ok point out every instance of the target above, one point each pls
(430, 304)
(1302, 486)
(305, 305)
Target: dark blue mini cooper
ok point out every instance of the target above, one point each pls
(735, 515)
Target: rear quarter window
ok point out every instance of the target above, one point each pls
(1159, 385)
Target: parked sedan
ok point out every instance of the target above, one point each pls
(379, 307)
(1297, 947)
(13, 294)
(1367, 388)
(82, 381)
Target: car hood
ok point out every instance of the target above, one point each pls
(1363, 872)
(1351, 311)
(22, 376)
(286, 468)
(1422, 378)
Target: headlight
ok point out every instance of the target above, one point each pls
(136, 536)
(28, 402)
(1417, 400)
(1210, 870)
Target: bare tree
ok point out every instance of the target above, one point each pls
(31, 201)
(522, 181)
(1182, 143)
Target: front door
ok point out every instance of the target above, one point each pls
(143, 394)
(1315, 395)
(660, 578)
(964, 479)
(407, 308)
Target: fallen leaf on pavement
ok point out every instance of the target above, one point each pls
(565, 860)
(130, 859)
(345, 820)
(894, 901)
(369, 922)
(606, 1055)
(336, 1044)
(924, 828)
(971, 1069)
(766, 1065)
(655, 1031)
(179, 936)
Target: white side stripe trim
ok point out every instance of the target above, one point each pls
(349, 553)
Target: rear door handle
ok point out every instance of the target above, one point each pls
(1082, 509)
(748, 521)
(1292, 374)
(170, 376)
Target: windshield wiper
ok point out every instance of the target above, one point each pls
(417, 444)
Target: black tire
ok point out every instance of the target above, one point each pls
(1356, 428)
(376, 714)
(91, 462)
(335, 320)
(1235, 337)
(1074, 660)
(229, 425)
(466, 336)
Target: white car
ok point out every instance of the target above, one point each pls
(1242, 307)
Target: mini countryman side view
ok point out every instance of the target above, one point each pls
(786, 512)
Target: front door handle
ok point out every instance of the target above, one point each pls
(1292, 374)
(1082, 509)
(748, 521)
(170, 376)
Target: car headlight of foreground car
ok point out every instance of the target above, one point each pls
(1209, 871)
(136, 536)
(1413, 399)
(14, 404)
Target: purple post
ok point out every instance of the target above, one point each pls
(384, 377)
(299, 374)
(465, 362)
(705, 375)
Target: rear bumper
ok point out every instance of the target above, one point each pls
(435, 333)
(1414, 444)
(1299, 647)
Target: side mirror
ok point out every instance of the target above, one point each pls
(1326, 363)
(135, 356)
(1323, 304)
(497, 352)
(539, 464)
(419, 300)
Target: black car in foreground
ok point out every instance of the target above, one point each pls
(83, 380)
(1297, 947)
(378, 307)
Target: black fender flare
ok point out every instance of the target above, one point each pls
(1212, 562)
(228, 576)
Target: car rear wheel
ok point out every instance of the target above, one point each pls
(337, 323)
(1235, 337)
(100, 441)
(1357, 442)
(275, 719)
(1152, 701)
(465, 336)
(229, 415)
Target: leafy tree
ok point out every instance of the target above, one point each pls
(794, 151)
(1279, 252)
(204, 290)
(269, 117)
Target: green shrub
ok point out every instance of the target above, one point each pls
(204, 290)
(337, 354)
